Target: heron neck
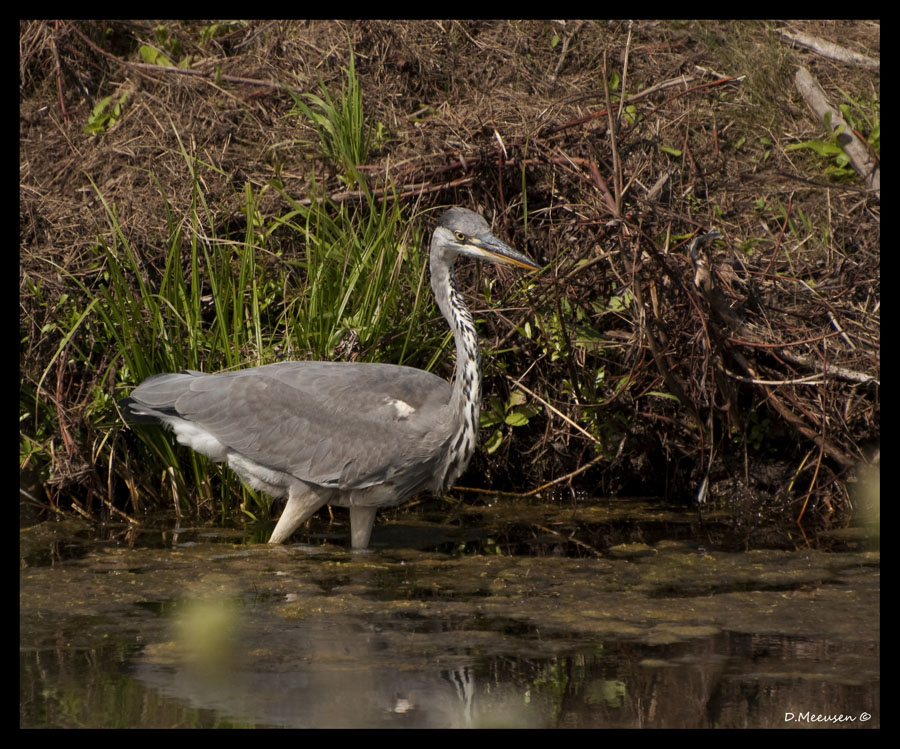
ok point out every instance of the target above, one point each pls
(465, 400)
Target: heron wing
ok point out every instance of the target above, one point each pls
(347, 426)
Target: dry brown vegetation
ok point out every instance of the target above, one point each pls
(748, 364)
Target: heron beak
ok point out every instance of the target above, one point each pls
(497, 251)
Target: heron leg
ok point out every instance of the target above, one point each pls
(361, 521)
(303, 501)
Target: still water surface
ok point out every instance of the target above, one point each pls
(203, 629)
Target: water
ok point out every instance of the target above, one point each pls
(200, 629)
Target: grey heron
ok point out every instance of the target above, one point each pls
(355, 435)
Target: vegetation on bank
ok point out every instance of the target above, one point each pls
(251, 199)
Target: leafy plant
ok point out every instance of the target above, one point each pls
(863, 117)
(106, 113)
(214, 30)
(513, 412)
(832, 150)
(169, 47)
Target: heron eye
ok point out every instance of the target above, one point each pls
(460, 237)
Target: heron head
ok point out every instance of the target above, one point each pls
(463, 232)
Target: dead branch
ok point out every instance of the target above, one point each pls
(854, 148)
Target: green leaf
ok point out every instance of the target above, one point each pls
(489, 419)
(516, 398)
(516, 419)
(100, 106)
(493, 442)
(660, 394)
(154, 56)
(149, 53)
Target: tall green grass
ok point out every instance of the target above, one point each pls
(323, 281)
(345, 134)
(338, 282)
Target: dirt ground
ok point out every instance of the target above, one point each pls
(745, 368)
